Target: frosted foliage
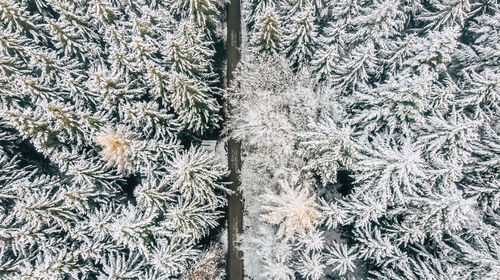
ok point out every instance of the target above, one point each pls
(293, 209)
(312, 241)
(486, 29)
(395, 106)
(272, 258)
(341, 258)
(199, 11)
(483, 95)
(392, 174)
(355, 69)
(171, 257)
(208, 266)
(399, 155)
(370, 136)
(282, 210)
(131, 227)
(96, 98)
(332, 147)
(264, 123)
(446, 13)
(301, 36)
(441, 214)
(333, 214)
(193, 219)
(192, 101)
(154, 193)
(269, 38)
(311, 267)
(120, 267)
(384, 19)
(279, 270)
(194, 175)
(326, 61)
(269, 115)
(449, 144)
(116, 149)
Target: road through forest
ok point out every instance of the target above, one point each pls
(235, 203)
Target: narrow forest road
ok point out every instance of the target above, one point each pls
(235, 203)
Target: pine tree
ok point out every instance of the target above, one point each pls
(301, 34)
(269, 37)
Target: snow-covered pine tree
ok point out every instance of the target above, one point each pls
(100, 176)
(269, 37)
(300, 38)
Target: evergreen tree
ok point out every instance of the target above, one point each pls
(269, 37)
(301, 34)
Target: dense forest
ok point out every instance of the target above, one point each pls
(103, 105)
(369, 131)
(371, 139)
